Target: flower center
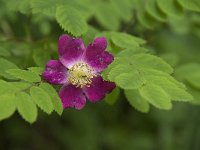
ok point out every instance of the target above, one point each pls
(81, 74)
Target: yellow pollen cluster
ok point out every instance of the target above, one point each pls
(81, 75)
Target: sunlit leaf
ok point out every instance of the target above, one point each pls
(7, 106)
(42, 99)
(26, 107)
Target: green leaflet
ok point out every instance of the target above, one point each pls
(156, 73)
(193, 5)
(156, 96)
(171, 58)
(26, 107)
(196, 94)
(150, 61)
(153, 10)
(135, 99)
(124, 5)
(139, 63)
(170, 7)
(131, 80)
(145, 19)
(194, 79)
(132, 51)
(125, 40)
(71, 20)
(186, 69)
(189, 72)
(144, 61)
(115, 71)
(20, 86)
(175, 92)
(24, 75)
(118, 41)
(5, 65)
(13, 87)
(7, 87)
(42, 99)
(107, 17)
(7, 105)
(36, 70)
(54, 97)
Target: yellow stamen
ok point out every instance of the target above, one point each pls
(81, 75)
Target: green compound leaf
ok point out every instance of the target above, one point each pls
(54, 97)
(7, 106)
(147, 75)
(24, 75)
(71, 20)
(156, 96)
(5, 65)
(139, 62)
(26, 107)
(136, 100)
(42, 99)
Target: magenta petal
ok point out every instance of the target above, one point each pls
(96, 56)
(72, 97)
(98, 89)
(99, 44)
(70, 50)
(55, 72)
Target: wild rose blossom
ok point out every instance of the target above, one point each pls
(78, 71)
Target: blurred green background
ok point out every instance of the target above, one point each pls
(25, 29)
(103, 127)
